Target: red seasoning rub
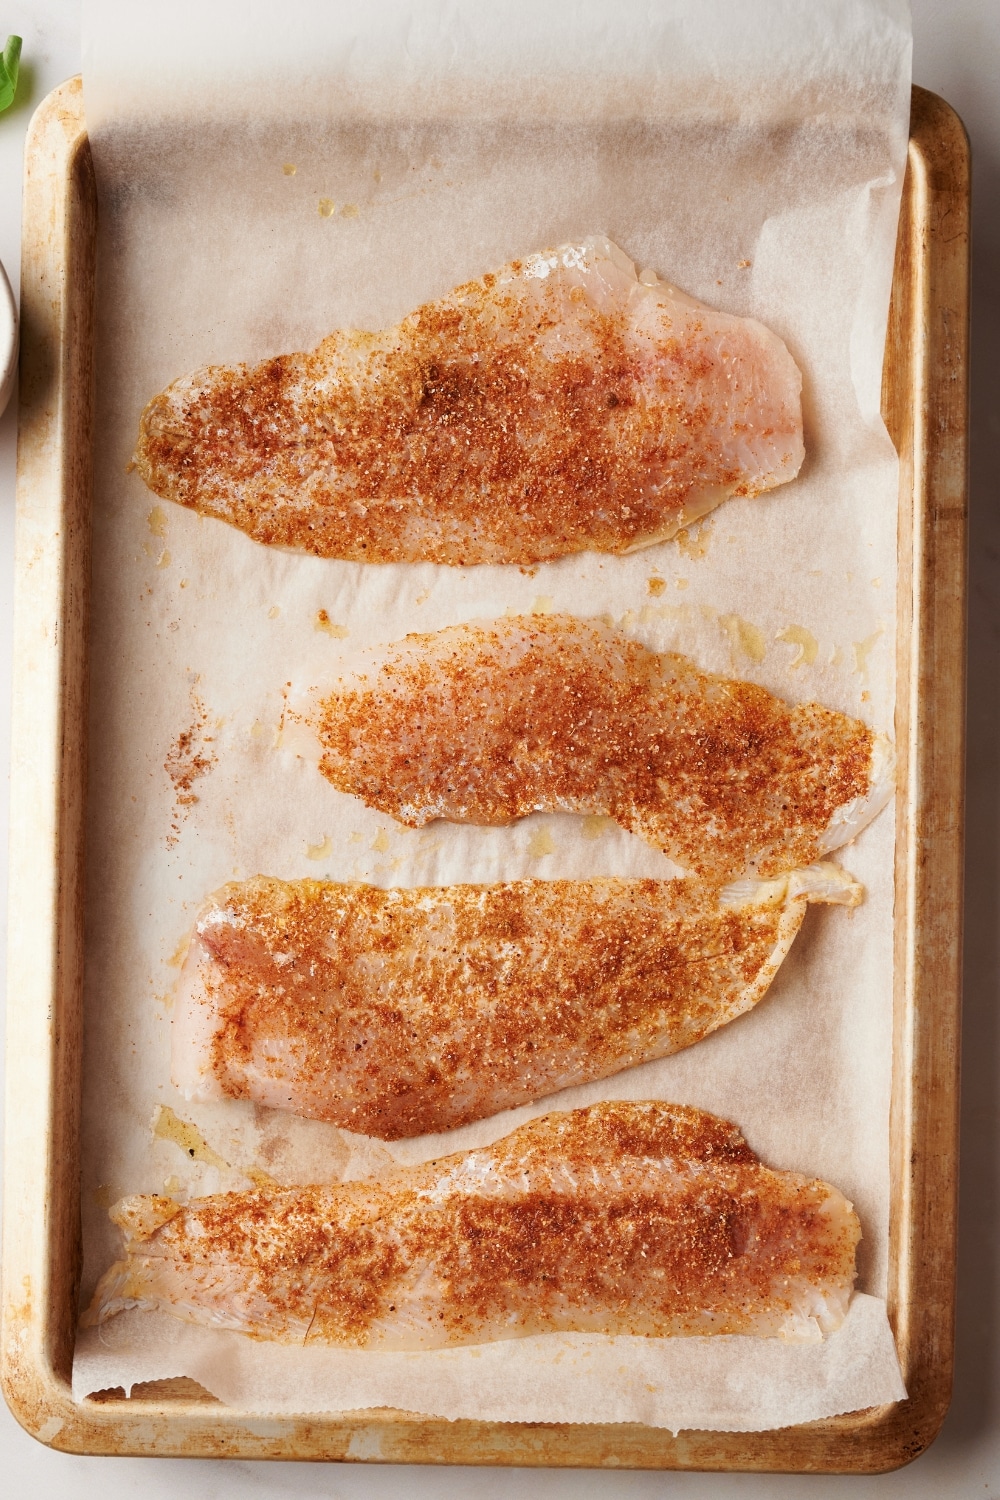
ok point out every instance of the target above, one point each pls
(399, 1012)
(558, 405)
(485, 723)
(644, 1218)
(188, 759)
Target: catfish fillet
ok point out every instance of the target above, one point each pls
(485, 723)
(399, 1012)
(557, 405)
(640, 1218)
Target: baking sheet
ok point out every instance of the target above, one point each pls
(212, 250)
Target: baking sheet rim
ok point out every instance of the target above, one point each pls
(40, 1247)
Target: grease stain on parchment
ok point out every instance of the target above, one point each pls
(745, 639)
(595, 826)
(330, 627)
(179, 954)
(168, 1126)
(693, 540)
(805, 642)
(541, 843)
(261, 1179)
(863, 650)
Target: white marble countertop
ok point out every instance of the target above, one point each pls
(957, 54)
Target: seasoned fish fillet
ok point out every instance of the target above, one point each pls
(399, 1012)
(485, 723)
(557, 405)
(623, 1218)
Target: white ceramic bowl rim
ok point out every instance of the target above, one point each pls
(8, 339)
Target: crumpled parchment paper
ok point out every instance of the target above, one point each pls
(252, 200)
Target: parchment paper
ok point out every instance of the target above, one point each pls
(754, 156)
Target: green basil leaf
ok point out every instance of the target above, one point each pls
(9, 65)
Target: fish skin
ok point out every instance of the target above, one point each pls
(557, 405)
(487, 722)
(624, 1218)
(397, 1013)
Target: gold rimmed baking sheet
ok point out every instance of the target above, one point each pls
(924, 401)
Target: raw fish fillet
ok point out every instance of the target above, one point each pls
(557, 405)
(485, 723)
(399, 1012)
(641, 1218)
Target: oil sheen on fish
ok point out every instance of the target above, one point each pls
(400, 1012)
(624, 1218)
(557, 405)
(485, 723)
